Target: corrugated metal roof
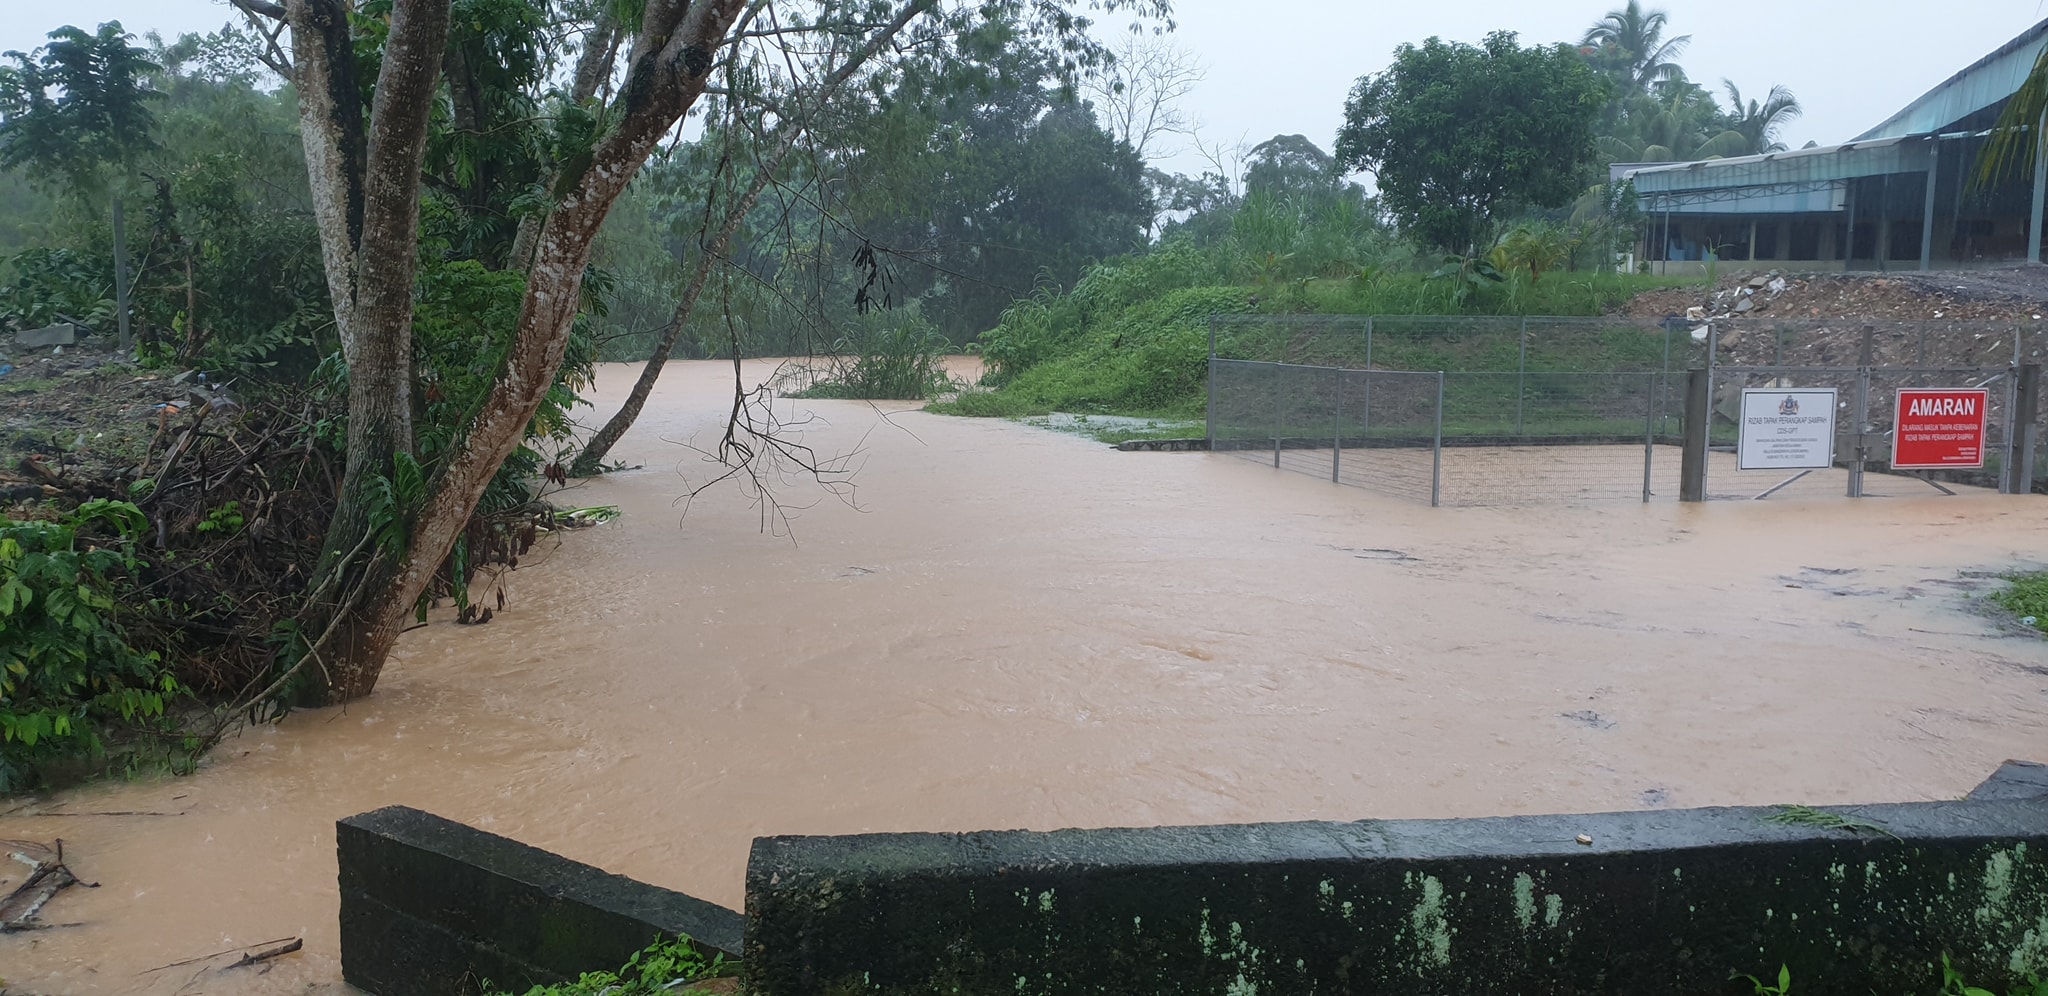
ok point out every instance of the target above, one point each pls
(1982, 85)
(1799, 181)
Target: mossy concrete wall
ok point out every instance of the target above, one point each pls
(1658, 902)
(431, 907)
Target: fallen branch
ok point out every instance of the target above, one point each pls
(47, 876)
(216, 954)
(283, 949)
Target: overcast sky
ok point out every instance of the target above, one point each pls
(1285, 66)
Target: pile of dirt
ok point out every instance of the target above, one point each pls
(2005, 294)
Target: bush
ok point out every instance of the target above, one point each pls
(658, 968)
(897, 356)
(2026, 596)
(54, 285)
(67, 670)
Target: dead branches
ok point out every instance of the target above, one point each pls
(45, 877)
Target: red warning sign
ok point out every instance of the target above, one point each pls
(1940, 427)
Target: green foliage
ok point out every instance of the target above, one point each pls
(1782, 988)
(1952, 983)
(1147, 356)
(656, 969)
(462, 334)
(2015, 142)
(886, 355)
(67, 670)
(51, 284)
(2025, 595)
(1461, 137)
(99, 115)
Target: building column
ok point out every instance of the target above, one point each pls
(1927, 212)
(2040, 191)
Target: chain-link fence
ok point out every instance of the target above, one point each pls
(1375, 429)
(1537, 409)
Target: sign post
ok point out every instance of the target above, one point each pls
(1940, 428)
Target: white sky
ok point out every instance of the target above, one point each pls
(1285, 66)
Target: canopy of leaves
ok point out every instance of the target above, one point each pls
(1460, 136)
(99, 114)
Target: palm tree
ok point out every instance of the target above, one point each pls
(2018, 136)
(1637, 36)
(1758, 123)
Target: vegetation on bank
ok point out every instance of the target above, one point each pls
(1132, 337)
(2025, 595)
(662, 967)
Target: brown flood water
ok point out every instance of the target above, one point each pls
(1017, 628)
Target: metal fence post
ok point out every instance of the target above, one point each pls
(1337, 428)
(1522, 377)
(1692, 468)
(1860, 441)
(1212, 385)
(1279, 413)
(1436, 470)
(1707, 423)
(1365, 428)
(2023, 425)
(1649, 432)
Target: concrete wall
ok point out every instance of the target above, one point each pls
(430, 907)
(1658, 902)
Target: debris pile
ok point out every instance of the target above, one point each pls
(2003, 294)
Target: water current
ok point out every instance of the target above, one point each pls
(1011, 627)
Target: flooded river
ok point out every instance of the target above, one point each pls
(1010, 627)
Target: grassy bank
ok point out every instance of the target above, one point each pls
(2026, 597)
(1132, 338)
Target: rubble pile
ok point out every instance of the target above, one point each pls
(2003, 294)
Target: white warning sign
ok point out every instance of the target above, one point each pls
(1786, 429)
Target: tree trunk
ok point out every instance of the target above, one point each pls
(784, 138)
(376, 313)
(670, 65)
(590, 461)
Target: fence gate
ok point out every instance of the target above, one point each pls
(1866, 424)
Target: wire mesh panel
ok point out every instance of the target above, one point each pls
(1537, 409)
(1390, 432)
(1369, 429)
(1512, 438)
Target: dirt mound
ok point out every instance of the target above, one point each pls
(2004, 294)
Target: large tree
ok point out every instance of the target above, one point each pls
(77, 112)
(366, 148)
(1459, 136)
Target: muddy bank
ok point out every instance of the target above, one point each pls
(1015, 628)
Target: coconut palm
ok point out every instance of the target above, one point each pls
(1677, 121)
(2017, 138)
(1637, 37)
(1758, 123)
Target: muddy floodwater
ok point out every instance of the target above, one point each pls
(1012, 627)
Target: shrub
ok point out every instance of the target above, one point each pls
(67, 670)
(658, 968)
(897, 356)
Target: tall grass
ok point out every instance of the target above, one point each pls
(888, 355)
